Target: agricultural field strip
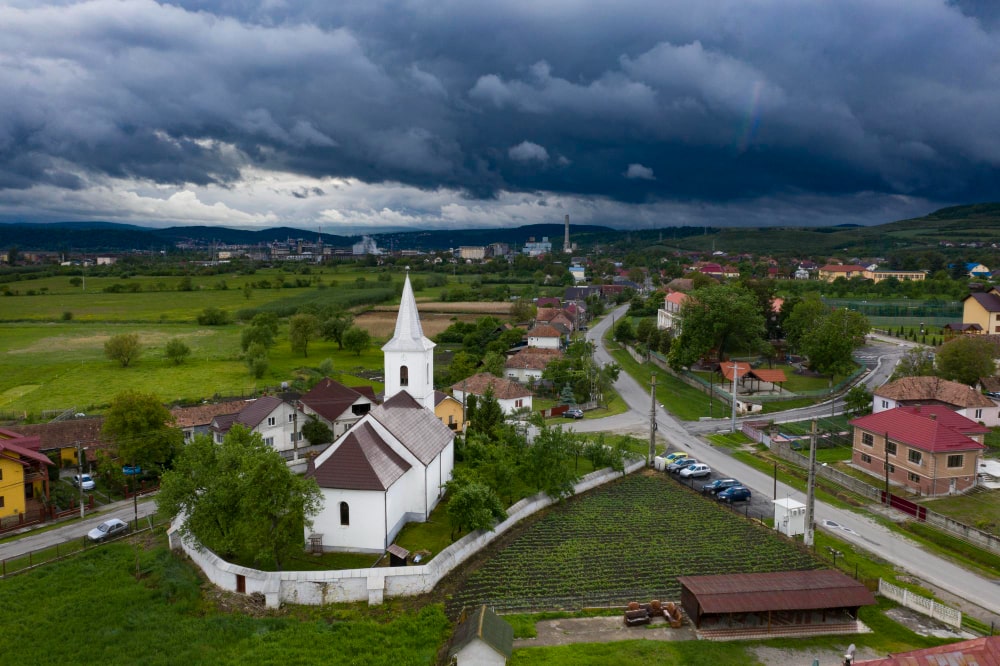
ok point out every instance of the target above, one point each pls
(626, 541)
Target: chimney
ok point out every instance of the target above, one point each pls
(933, 417)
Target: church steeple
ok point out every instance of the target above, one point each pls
(409, 355)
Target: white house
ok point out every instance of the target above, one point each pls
(667, 317)
(528, 364)
(482, 639)
(511, 395)
(959, 398)
(388, 468)
(544, 336)
(279, 423)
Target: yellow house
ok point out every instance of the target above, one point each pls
(449, 410)
(24, 478)
(983, 308)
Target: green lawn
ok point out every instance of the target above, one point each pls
(981, 509)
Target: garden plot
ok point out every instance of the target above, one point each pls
(626, 541)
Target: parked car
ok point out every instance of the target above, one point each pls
(84, 481)
(719, 485)
(696, 470)
(109, 529)
(734, 494)
(131, 470)
(680, 463)
(670, 457)
(573, 413)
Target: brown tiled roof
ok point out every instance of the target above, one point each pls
(842, 268)
(416, 428)
(990, 301)
(441, 396)
(933, 428)
(773, 376)
(782, 590)
(544, 331)
(201, 415)
(681, 284)
(362, 461)
(223, 422)
(65, 433)
(330, 399)
(910, 389)
(532, 358)
(984, 651)
(726, 368)
(545, 315)
(256, 411)
(503, 389)
(990, 384)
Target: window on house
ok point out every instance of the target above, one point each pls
(291, 418)
(979, 414)
(271, 420)
(868, 439)
(913, 477)
(359, 410)
(890, 448)
(956, 460)
(404, 376)
(865, 458)
(519, 403)
(892, 468)
(345, 514)
(915, 457)
(1, 501)
(885, 404)
(269, 441)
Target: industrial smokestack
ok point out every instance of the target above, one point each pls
(566, 246)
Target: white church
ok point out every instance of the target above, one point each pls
(388, 468)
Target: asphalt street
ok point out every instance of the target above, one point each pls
(847, 525)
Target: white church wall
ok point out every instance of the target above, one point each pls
(367, 520)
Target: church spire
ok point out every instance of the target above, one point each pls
(409, 356)
(409, 334)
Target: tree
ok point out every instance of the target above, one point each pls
(916, 362)
(800, 315)
(644, 329)
(494, 363)
(263, 330)
(240, 499)
(966, 358)
(357, 340)
(213, 316)
(141, 429)
(546, 464)
(484, 414)
(316, 431)
(335, 326)
(247, 291)
(475, 506)
(177, 351)
(522, 310)
(301, 329)
(830, 344)
(718, 317)
(858, 400)
(124, 348)
(624, 333)
(256, 359)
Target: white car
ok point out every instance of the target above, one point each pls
(84, 482)
(698, 469)
(109, 529)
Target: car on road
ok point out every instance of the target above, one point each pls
(680, 463)
(713, 487)
(734, 494)
(696, 470)
(670, 457)
(573, 413)
(84, 481)
(109, 529)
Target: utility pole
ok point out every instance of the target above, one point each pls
(79, 472)
(811, 488)
(652, 420)
(295, 433)
(736, 376)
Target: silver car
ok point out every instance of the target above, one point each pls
(109, 529)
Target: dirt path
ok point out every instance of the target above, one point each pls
(602, 630)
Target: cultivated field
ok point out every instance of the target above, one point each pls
(626, 541)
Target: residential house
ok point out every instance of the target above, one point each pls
(555, 317)
(197, 420)
(983, 651)
(983, 308)
(279, 423)
(959, 398)
(450, 410)
(336, 405)
(667, 318)
(831, 272)
(24, 477)
(877, 275)
(545, 336)
(390, 467)
(511, 395)
(66, 437)
(527, 365)
(927, 449)
(482, 638)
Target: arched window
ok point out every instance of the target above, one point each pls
(404, 376)
(345, 514)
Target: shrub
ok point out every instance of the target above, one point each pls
(213, 317)
(67, 316)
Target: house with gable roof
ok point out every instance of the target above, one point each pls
(336, 405)
(667, 317)
(982, 309)
(927, 449)
(278, 423)
(389, 467)
(527, 365)
(545, 336)
(482, 638)
(960, 398)
(24, 474)
(511, 395)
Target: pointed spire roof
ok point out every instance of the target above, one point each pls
(409, 335)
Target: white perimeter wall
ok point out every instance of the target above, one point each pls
(372, 585)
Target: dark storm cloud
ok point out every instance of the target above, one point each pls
(634, 101)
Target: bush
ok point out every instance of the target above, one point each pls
(67, 316)
(213, 317)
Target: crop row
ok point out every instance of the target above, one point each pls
(628, 540)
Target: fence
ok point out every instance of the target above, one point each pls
(920, 604)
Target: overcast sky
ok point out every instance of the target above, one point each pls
(461, 113)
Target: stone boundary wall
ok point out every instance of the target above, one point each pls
(373, 584)
(920, 604)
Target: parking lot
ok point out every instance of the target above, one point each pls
(759, 506)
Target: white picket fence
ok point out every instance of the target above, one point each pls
(920, 604)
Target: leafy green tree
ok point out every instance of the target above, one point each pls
(830, 344)
(719, 317)
(256, 359)
(124, 348)
(185, 284)
(335, 326)
(301, 329)
(522, 310)
(966, 358)
(141, 429)
(624, 333)
(240, 499)
(485, 414)
(916, 362)
(547, 462)
(213, 316)
(858, 400)
(357, 340)
(316, 431)
(262, 330)
(177, 351)
(799, 316)
(247, 291)
(493, 363)
(475, 506)
(644, 329)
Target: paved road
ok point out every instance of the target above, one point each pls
(849, 526)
